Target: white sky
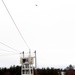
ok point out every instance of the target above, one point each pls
(48, 28)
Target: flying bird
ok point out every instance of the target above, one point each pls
(36, 5)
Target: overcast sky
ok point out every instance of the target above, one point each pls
(48, 28)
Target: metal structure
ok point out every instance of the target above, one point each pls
(27, 64)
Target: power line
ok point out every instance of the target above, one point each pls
(15, 25)
(8, 54)
(9, 47)
(6, 50)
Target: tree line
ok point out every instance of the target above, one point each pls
(13, 70)
(16, 70)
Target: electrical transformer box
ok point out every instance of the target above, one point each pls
(28, 60)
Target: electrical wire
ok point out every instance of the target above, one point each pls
(6, 50)
(15, 25)
(9, 47)
(8, 54)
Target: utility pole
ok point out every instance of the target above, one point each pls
(35, 64)
(23, 54)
